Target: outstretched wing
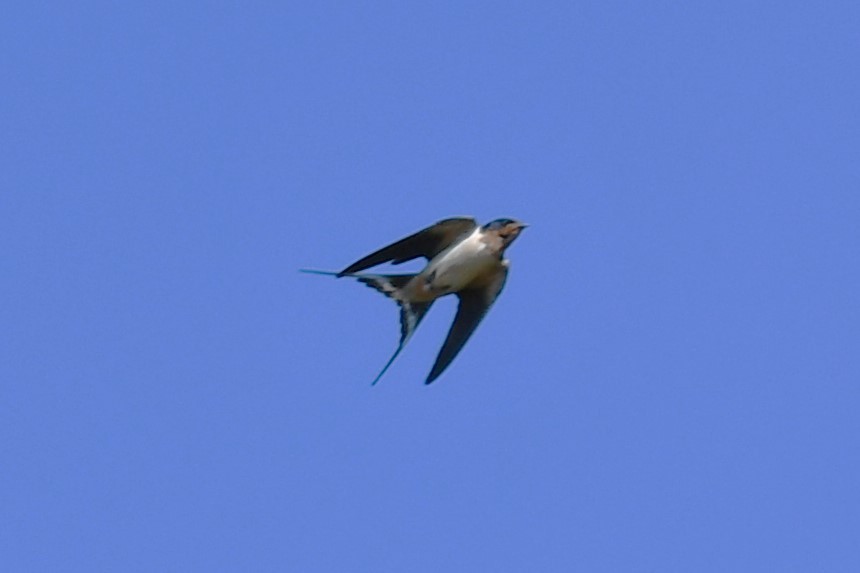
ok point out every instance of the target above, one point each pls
(426, 243)
(474, 304)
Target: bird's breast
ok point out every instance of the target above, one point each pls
(460, 266)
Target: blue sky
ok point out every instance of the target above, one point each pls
(668, 383)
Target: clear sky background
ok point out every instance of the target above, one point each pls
(669, 382)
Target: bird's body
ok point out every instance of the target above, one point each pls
(453, 269)
(463, 259)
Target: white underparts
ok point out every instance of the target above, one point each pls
(457, 267)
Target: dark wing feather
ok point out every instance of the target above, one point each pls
(474, 304)
(425, 243)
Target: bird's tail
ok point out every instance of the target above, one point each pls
(389, 285)
(411, 313)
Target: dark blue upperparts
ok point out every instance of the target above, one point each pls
(498, 224)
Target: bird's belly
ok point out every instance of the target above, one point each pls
(458, 273)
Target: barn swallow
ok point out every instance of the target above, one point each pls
(464, 259)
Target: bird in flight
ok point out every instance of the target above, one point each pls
(463, 258)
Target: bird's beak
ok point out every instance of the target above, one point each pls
(521, 225)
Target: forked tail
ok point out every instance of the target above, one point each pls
(411, 313)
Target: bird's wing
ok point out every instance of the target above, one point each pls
(426, 243)
(474, 304)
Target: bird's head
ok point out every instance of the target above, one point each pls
(507, 229)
